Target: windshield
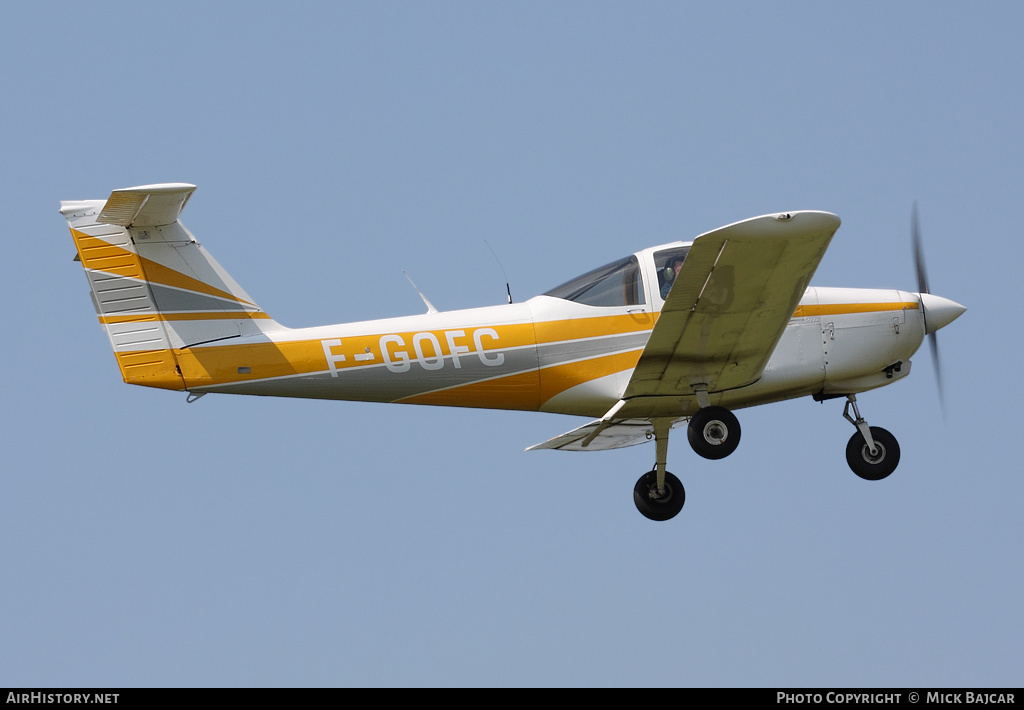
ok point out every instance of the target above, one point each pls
(615, 284)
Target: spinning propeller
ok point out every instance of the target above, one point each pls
(938, 311)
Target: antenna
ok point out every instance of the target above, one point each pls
(430, 306)
(508, 289)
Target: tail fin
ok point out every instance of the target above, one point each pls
(155, 289)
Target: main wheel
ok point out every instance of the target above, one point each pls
(659, 506)
(882, 463)
(714, 432)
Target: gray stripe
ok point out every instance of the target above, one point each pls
(123, 294)
(376, 383)
(174, 299)
(567, 351)
(118, 294)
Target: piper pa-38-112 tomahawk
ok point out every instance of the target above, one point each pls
(684, 332)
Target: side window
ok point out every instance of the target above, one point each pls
(615, 284)
(668, 262)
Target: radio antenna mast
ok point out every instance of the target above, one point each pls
(430, 306)
(508, 289)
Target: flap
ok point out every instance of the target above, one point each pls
(618, 435)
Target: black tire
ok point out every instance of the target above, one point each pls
(877, 467)
(714, 432)
(653, 506)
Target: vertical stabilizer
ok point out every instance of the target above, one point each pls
(155, 288)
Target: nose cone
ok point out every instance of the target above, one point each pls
(939, 311)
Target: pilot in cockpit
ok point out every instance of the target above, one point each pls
(672, 267)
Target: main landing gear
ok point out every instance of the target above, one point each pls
(659, 502)
(873, 453)
(714, 433)
(658, 494)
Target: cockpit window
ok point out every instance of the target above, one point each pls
(615, 284)
(668, 262)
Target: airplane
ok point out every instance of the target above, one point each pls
(682, 333)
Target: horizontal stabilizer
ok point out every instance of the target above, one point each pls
(147, 205)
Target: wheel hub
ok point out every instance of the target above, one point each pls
(715, 432)
(660, 495)
(877, 456)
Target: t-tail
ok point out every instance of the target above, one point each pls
(156, 290)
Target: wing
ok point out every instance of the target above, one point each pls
(727, 310)
(730, 304)
(617, 435)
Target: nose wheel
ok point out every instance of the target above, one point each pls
(872, 453)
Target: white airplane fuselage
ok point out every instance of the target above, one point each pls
(550, 355)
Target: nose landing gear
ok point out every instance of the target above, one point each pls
(872, 453)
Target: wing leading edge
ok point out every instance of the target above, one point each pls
(730, 304)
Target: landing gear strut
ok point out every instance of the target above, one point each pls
(714, 433)
(873, 453)
(658, 494)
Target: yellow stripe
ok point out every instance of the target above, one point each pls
(199, 315)
(98, 255)
(576, 328)
(833, 309)
(523, 390)
(519, 391)
(152, 368)
(559, 378)
(219, 364)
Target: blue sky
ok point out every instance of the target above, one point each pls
(252, 541)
